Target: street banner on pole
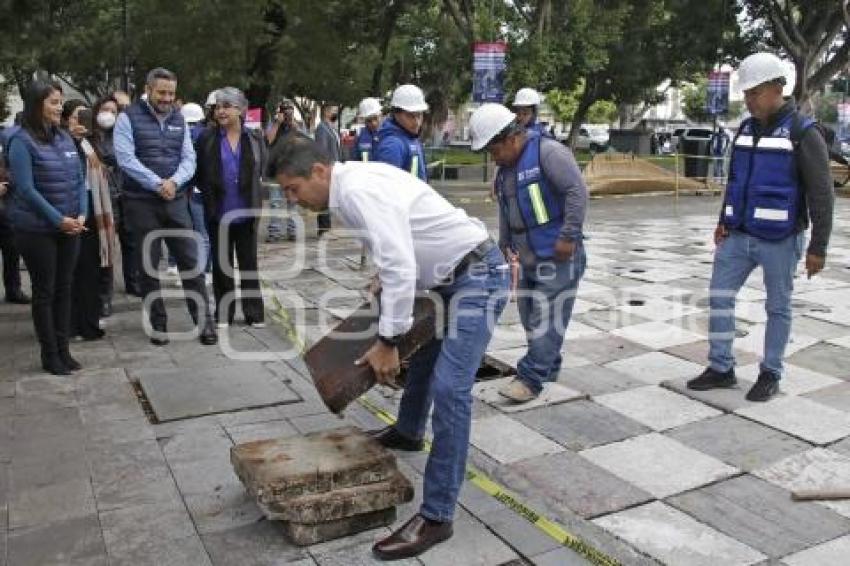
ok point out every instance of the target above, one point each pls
(717, 98)
(254, 118)
(488, 71)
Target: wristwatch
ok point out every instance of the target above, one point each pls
(391, 341)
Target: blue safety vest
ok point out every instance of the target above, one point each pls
(365, 140)
(541, 209)
(763, 195)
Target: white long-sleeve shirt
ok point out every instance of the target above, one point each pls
(415, 236)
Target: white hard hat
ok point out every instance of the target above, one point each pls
(760, 68)
(410, 98)
(487, 122)
(211, 98)
(369, 107)
(192, 112)
(527, 97)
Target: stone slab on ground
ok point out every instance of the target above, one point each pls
(597, 380)
(655, 367)
(473, 544)
(802, 418)
(659, 465)
(307, 534)
(828, 359)
(795, 380)
(182, 393)
(657, 408)
(506, 440)
(675, 538)
(835, 396)
(282, 468)
(553, 393)
(725, 399)
(761, 515)
(833, 552)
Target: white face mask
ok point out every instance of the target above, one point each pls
(106, 120)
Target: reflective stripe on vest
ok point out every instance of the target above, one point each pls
(414, 165)
(540, 213)
(364, 156)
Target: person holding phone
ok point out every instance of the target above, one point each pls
(48, 209)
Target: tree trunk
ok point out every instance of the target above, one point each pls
(588, 96)
(801, 89)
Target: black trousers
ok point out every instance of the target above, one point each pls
(149, 215)
(11, 257)
(86, 303)
(50, 259)
(130, 265)
(323, 220)
(227, 241)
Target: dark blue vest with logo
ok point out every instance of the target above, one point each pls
(57, 176)
(413, 159)
(541, 209)
(159, 148)
(763, 195)
(363, 148)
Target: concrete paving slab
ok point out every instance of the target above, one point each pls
(177, 552)
(134, 528)
(725, 399)
(63, 501)
(224, 507)
(472, 544)
(820, 329)
(697, 352)
(658, 465)
(656, 309)
(832, 552)
(828, 359)
(754, 341)
(71, 542)
(818, 468)
(801, 417)
(570, 482)
(657, 335)
(594, 379)
(258, 544)
(740, 442)
(672, 537)
(562, 556)
(795, 381)
(761, 515)
(180, 394)
(657, 408)
(835, 396)
(260, 431)
(603, 350)
(655, 367)
(581, 424)
(507, 440)
(553, 393)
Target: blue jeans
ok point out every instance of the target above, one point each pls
(196, 211)
(546, 293)
(734, 260)
(443, 372)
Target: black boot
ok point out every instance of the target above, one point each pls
(52, 363)
(209, 336)
(713, 379)
(68, 360)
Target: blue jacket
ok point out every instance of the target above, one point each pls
(364, 145)
(541, 209)
(159, 148)
(538, 128)
(398, 147)
(49, 183)
(764, 196)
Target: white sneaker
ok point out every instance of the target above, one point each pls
(517, 391)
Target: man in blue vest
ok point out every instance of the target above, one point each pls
(398, 137)
(370, 111)
(542, 202)
(779, 179)
(526, 104)
(154, 149)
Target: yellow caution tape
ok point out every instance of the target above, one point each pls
(512, 502)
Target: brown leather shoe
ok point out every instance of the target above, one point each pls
(390, 438)
(412, 539)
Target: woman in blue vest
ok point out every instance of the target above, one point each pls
(48, 211)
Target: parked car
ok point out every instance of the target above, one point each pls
(590, 137)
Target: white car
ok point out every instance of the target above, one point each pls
(593, 138)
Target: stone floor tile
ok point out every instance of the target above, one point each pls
(26, 474)
(609, 317)
(226, 507)
(835, 396)
(507, 337)
(761, 515)
(697, 352)
(561, 556)
(725, 399)
(356, 555)
(795, 381)
(817, 468)
(597, 380)
(820, 329)
(258, 544)
(553, 393)
(175, 552)
(740, 442)
(472, 544)
(658, 465)
(190, 447)
(657, 408)
(802, 418)
(130, 529)
(657, 309)
(71, 499)
(260, 431)
(675, 538)
(71, 542)
(832, 552)
(571, 482)
(507, 440)
(110, 433)
(581, 424)
(602, 350)
(519, 533)
(828, 359)
(655, 367)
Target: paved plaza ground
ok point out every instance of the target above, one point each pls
(617, 451)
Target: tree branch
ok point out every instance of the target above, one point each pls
(774, 14)
(454, 12)
(834, 66)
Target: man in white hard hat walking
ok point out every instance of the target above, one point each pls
(779, 180)
(398, 137)
(542, 202)
(526, 105)
(396, 215)
(370, 111)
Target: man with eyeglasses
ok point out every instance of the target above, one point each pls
(398, 137)
(542, 202)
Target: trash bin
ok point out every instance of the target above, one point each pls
(695, 144)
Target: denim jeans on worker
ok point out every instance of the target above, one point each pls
(443, 373)
(546, 294)
(735, 258)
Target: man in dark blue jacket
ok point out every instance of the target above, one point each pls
(154, 149)
(398, 137)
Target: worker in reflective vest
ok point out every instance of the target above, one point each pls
(398, 137)
(778, 179)
(370, 111)
(542, 202)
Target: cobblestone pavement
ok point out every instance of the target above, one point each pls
(618, 451)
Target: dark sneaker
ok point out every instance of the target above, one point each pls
(389, 437)
(767, 385)
(713, 379)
